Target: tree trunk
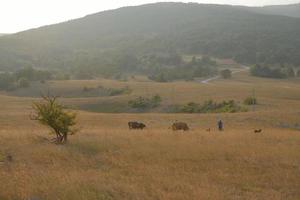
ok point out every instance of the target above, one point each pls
(65, 138)
(59, 137)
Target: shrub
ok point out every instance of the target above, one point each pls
(86, 89)
(226, 74)
(250, 101)
(6, 81)
(23, 83)
(190, 108)
(106, 91)
(32, 74)
(155, 101)
(115, 92)
(60, 76)
(161, 77)
(52, 114)
(212, 107)
(145, 103)
(83, 75)
(271, 72)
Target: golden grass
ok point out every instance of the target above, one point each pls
(107, 161)
(153, 164)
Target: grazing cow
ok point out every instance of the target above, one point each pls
(208, 130)
(136, 125)
(258, 131)
(180, 126)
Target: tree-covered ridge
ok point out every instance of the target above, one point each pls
(292, 10)
(98, 41)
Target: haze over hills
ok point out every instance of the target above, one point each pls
(93, 42)
(292, 10)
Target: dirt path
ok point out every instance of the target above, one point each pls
(243, 69)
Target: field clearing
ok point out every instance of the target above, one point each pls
(271, 93)
(107, 161)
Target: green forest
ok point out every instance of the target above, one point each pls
(151, 39)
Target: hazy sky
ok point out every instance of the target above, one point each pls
(18, 15)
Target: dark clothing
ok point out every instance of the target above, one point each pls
(220, 125)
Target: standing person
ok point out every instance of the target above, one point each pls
(220, 125)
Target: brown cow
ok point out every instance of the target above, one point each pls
(136, 125)
(258, 131)
(180, 126)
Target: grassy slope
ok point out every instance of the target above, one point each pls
(106, 161)
(217, 30)
(240, 87)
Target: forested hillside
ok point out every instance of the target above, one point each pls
(285, 10)
(122, 39)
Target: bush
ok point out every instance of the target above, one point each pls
(115, 92)
(83, 75)
(60, 76)
(6, 81)
(106, 91)
(23, 83)
(250, 101)
(140, 103)
(32, 74)
(161, 77)
(212, 107)
(52, 114)
(190, 108)
(226, 74)
(22, 78)
(270, 72)
(145, 103)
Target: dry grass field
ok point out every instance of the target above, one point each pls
(107, 161)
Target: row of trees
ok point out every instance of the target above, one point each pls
(212, 107)
(197, 30)
(274, 72)
(161, 67)
(143, 103)
(195, 68)
(22, 78)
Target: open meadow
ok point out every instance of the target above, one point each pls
(105, 160)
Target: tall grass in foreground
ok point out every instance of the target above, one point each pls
(152, 164)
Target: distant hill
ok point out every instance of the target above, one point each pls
(2, 34)
(292, 10)
(97, 40)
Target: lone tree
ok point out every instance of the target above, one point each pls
(54, 115)
(226, 74)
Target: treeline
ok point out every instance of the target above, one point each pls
(269, 71)
(160, 67)
(144, 103)
(210, 106)
(184, 70)
(102, 42)
(102, 91)
(22, 78)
